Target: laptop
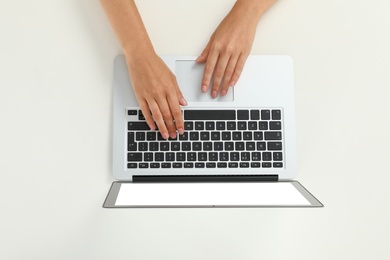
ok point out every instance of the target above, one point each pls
(237, 151)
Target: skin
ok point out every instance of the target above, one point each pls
(155, 86)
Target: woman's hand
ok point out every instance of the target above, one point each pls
(157, 93)
(230, 45)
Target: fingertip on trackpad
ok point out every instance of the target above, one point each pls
(189, 76)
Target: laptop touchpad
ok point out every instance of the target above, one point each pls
(189, 76)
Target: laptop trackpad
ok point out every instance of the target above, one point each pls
(189, 76)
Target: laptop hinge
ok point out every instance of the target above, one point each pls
(205, 178)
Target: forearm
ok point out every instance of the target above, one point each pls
(128, 26)
(253, 9)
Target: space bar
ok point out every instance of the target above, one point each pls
(209, 115)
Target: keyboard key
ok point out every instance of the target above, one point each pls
(199, 165)
(275, 125)
(210, 115)
(138, 126)
(183, 137)
(265, 115)
(191, 156)
(142, 146)
(140, 115)
(211, 165)
(132, 165)
(215, 136)
(140, 136)
(278, 165)
(234, 156)
(165, 165)
(204, 136)
(222, 165)
(245, 156)
(132, 147)
(188, 125)
(255, 114)
(252, 125)
(224, 156)
(194, 136)
(241, 125)
(256, 156)
(229, 146)
(148, 157)
(159, 137)
(175, 146)
(188, 165)
(250, 146)
(207, 146)
(202, 156)
(240, 146)
(274, 146)
(164, 146)
(181, 156)
(153, 146)
(266, 165)
(263, 125)
(273, 135)
(186, 146)
(154, 165)
(144, 165)
(237, 136)
(151, 136)
(231, 125)
(255, 165)
(258, 136)
(132, 112)
(134, 157)
(210, 125)
(159, 157)
(233, 165)
(244, 165)
(218, 146)
(170, 157)
(220, 125)
(242, 114)
(199, 125)
(177, 165)
(213, 156)
(276, 114)
(247, 135)
(277, 156)
(196, 146)
(226, 136)
(267, 156)
(260, 146)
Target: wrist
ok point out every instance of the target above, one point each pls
(253, 9)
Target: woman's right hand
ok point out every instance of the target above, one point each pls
(157, 93)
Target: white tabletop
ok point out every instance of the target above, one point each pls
(56, 63)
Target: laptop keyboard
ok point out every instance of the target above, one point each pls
(213, 138)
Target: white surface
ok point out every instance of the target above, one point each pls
(210, 194)
(55, 122)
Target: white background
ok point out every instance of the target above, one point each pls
(56, 62)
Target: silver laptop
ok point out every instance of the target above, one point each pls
(237, 151)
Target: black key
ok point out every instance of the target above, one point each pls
(240, 146)
(222, 165)
(148, 157)
(224, 156)
(191, 156)
(245, 156)
(140, 136)
(175, 146)
(265, 115)
(183, 137)
(196, 146)
(255, 165)
(278, 165)
(202, 156)
(260, 146)
(142, 146)
(199, 125)
(159, 137)
(237, 136)
(250, 146)
(241, 125)
(181, 156)
(234, 156)
(186, 146)
(132, 112)
(211, 165)
(258, 136)
(255, 115)
(159, 157)
(229, 146)
(188, 165)
(188, 125)
(274, 146)
(215, 136)
(231, 125)
(276, 115)
(267, 156)
(132, 147)
(173, 139)
(151, 136)
(131, 165)
(209, 115)
(210, 125)
(207, 146)
(204, 135)
(177, 165)
(199, 165)
(226, 136)
(134, 157)
(233, 165)
(244, 165)
(218, 146)
(242, 114)
(278, 156)
(194, 136)
(275, 125)
(164, 146)
(273, 135)
(140, 115)
(154, 165)
(266, 165)
(169, 157)
(252, 125)
(256, 156)
(263, 125)
(166, 165)
(144, 165)
(130, 137)
(220, 125)
(138, 126)
(247, 135)
(213, 156)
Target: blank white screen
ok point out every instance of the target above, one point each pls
(210, 194)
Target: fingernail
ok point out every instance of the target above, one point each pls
(165, 136)
(223, 92)
(214, 94)
(232, 83)
(152, 128)
(204, 88)
(181, 131)
(172, 135)
(183, 102)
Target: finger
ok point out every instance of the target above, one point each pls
(176, 113)
(228, 74)
(218, 74)
(209, 69)
(146, 113)
(179, 94)
(158, 117)
(238, 69)
(203, 57)
(167, 116)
